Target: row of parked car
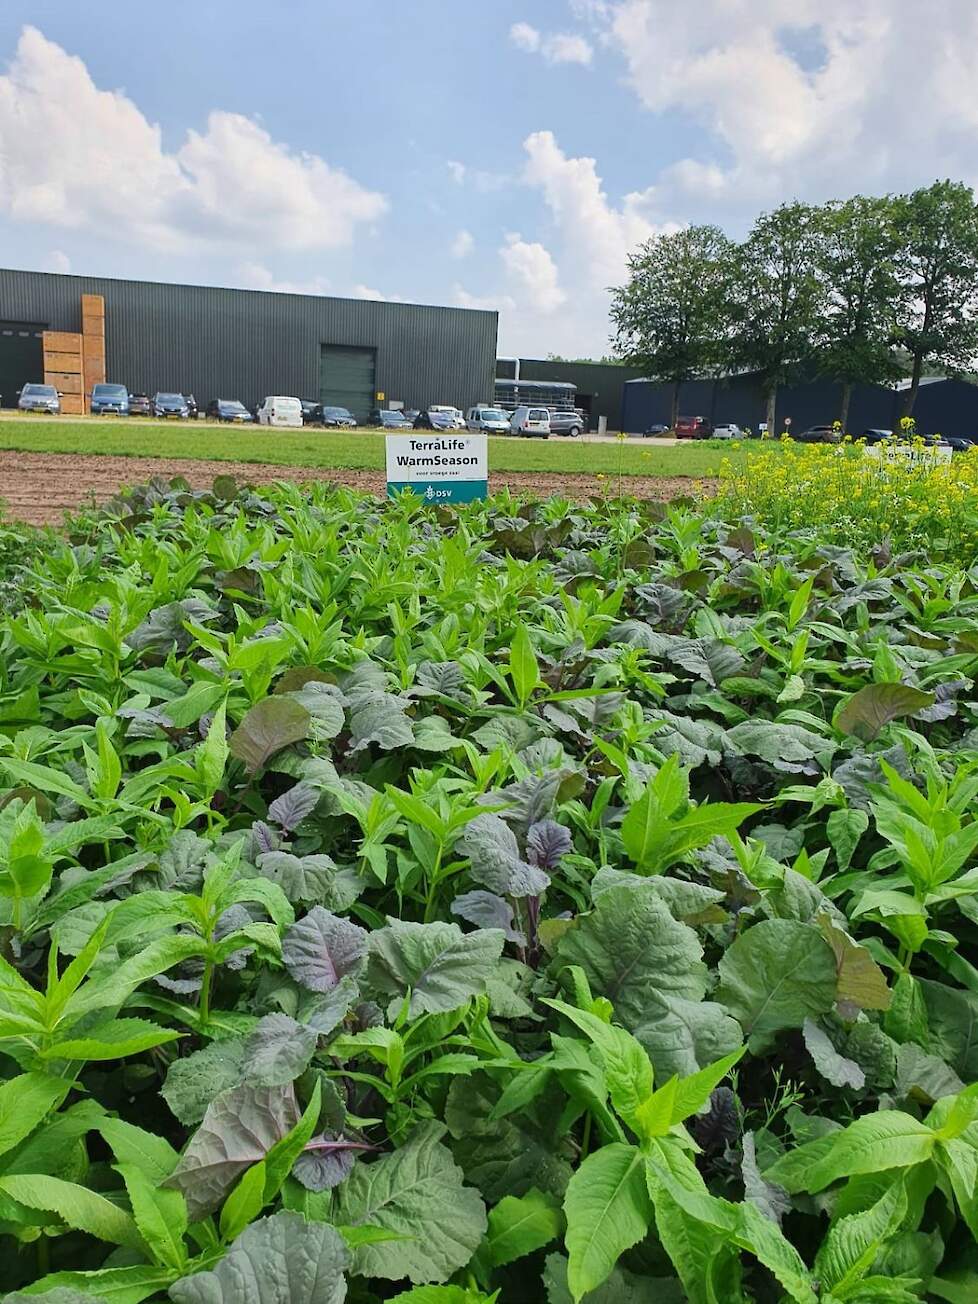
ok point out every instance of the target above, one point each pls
(700, 428)
(109, 399)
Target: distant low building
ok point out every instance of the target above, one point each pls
(948, 407)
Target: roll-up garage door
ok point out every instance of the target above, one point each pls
(346, 378)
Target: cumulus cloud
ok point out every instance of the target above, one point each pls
(57, 261)
(557, 47)
(531, 267)
(802, 98)
(462, 245)
(75, 156)
(598, 233)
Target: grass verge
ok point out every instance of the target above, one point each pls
(358, 450)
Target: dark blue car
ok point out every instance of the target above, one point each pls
(110, 400)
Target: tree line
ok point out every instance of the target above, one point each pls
(860, 290)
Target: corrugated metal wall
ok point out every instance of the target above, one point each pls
(248, 343)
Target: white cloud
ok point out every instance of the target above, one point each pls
(462, 245)
(525, 37)
(596, 233)
(256, 276)
(479, 178)
(57, 261)
(564, 47)
(803, 98)
(531, 267)
(558, 47)
(591, 234)
(75, 156)
(377, 296)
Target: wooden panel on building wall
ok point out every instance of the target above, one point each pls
(62, 361)
(92, 305)
(61, 342)
(72, 405)
(67, 381)
(94, 350)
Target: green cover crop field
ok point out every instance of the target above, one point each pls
(539, 902)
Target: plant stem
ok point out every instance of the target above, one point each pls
(204, 1008)
(433, 884)
(586, 1137)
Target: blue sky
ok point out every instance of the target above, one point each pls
(507, 154)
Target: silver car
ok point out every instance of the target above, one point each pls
(566, 423)
(39, 398)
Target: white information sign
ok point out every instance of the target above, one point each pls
(441, 466)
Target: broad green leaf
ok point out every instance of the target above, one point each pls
(102, 1286)
(439, 965)
(193, 1082)
(74, 1205)
(844, 828)
(278, 1051)
(278, 1260)
(415, 1191)
(608, 1210)
(875, 705)
(774, 976)
(24, 1102)
(519, 1225)
(650, 967)
(886, 1139)
(197, 701)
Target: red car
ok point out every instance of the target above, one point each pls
(692, 428)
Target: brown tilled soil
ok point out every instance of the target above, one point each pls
(40, 487)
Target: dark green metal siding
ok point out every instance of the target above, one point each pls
(21, 358)
(249, 343)
(600, 385)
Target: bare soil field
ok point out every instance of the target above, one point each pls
(39, 488)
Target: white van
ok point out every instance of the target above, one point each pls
(279, 410)
(491, 420)
(531, 422)
(455, 413)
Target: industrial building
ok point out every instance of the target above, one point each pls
(947, 407)
(597, 387)
(244, 344)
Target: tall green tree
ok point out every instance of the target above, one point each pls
(780, 297)
(937, 229)
(858, 264)
(672, 316)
